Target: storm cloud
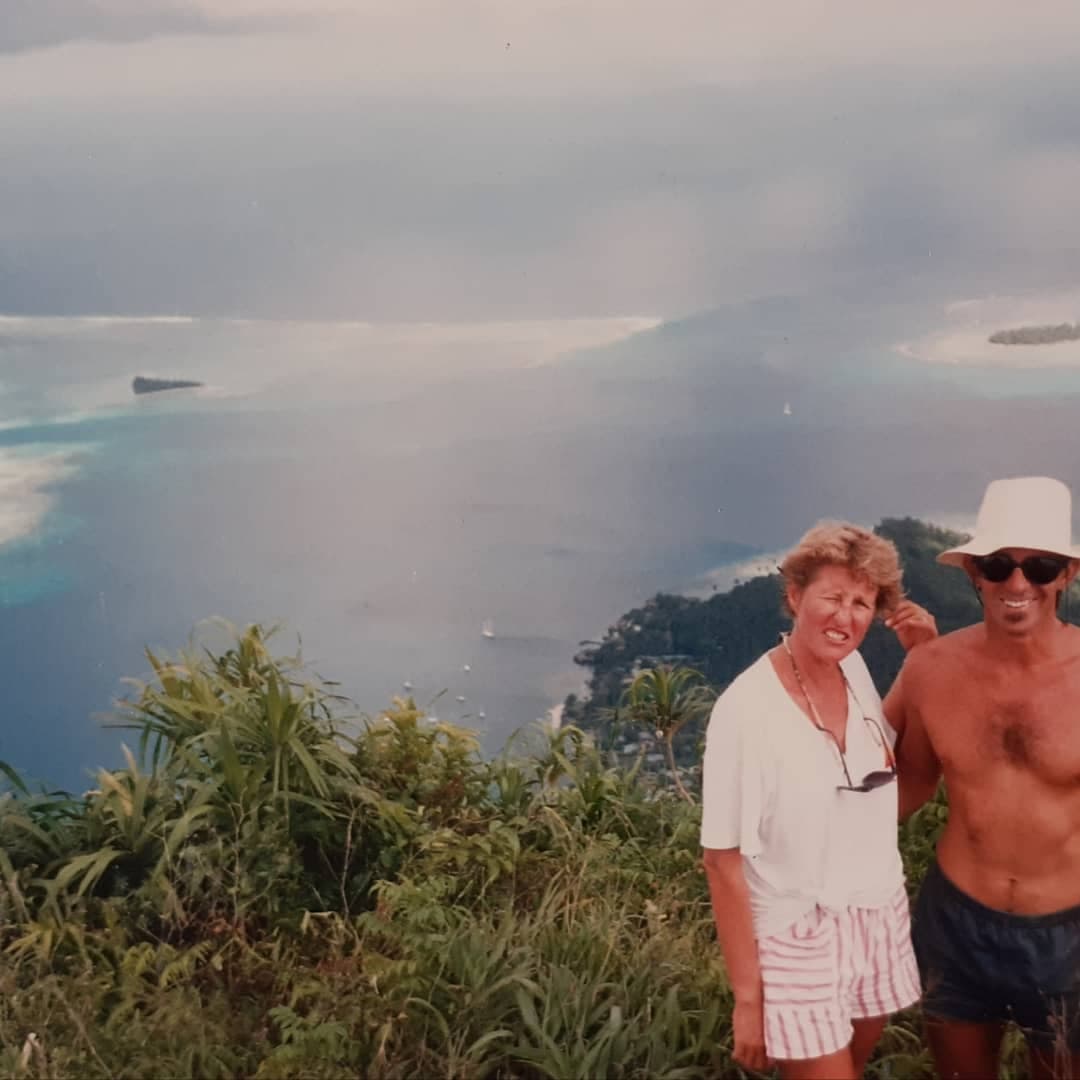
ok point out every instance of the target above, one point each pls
(415, 159)
(37, 24)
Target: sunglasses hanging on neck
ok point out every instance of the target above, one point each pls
(872, 780)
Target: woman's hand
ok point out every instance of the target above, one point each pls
(912, 624)
(748, 1023)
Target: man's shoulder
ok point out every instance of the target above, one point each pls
(1072, 641)
(935, 659)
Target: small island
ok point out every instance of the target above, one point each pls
(141, 384)
(1037, 335)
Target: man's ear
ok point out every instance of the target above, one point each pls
(973, 574)
(1071, 571)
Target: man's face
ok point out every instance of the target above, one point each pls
(1018, 592)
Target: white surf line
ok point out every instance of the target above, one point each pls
(723, 578)
(25, 483)
(99, 320)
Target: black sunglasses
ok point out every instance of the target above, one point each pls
(1038, 569)
(872, 780)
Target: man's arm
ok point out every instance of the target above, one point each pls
(916, 762)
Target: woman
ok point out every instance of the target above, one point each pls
(799, 821)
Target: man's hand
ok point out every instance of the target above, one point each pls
(748, 1022)
(912, 624)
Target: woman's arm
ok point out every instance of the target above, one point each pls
(912, 624)
(735, 929)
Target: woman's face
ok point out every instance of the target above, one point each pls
(833, 612)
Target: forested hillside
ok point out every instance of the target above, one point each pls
(723, 634)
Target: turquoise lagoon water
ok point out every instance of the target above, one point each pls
(382, 491)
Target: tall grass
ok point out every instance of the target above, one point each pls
(271, 887)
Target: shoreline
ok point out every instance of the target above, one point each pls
(963, 339)
(26, 483)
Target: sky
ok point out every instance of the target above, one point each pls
(420, 160)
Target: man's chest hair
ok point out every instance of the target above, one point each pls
(992, 725)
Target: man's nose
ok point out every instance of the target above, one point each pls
(1016, 579)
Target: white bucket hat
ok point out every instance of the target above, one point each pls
(1023, 512)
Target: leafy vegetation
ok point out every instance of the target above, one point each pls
(665, 700)
(274, 887)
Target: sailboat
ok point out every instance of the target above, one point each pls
(787, 408)
(487, 629)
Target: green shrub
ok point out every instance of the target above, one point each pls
(272, 887)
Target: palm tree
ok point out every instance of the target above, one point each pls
(665, 699)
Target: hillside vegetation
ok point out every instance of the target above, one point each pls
(273, 886)
(268, 889)
(724, 634)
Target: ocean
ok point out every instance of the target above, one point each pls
(382, 492)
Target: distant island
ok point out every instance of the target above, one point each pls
(143, 385)
(1037, 335)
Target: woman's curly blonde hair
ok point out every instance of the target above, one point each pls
(858, 550)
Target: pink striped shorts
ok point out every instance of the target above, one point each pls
(832, 967)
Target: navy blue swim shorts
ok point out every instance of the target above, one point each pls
(981, 966)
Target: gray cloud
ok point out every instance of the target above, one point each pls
(249, 184)
(37, 24)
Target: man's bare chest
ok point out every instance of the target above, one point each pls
(1002, 726)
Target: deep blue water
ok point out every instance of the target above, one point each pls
(381, 494)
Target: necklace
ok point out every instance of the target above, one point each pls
(814, 714)
(871, 780)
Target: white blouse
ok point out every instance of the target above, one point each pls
(770, 789)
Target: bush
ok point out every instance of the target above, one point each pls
(272, 887)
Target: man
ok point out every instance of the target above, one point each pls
(995, 709)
